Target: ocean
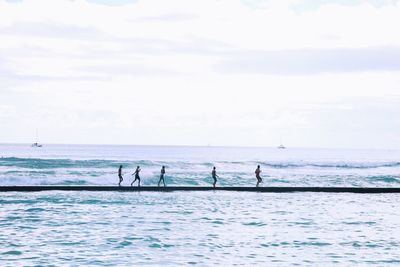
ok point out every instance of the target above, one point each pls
(98, 165)
(198, 228)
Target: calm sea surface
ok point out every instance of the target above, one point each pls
(198, 228)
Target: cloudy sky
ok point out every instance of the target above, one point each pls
(316, 73)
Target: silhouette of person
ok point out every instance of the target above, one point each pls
(214, 176)
(137, 177)
(162, 176)
(257, 172)
(120, 175)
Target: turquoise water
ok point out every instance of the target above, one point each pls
(198, 228)
(98, 165)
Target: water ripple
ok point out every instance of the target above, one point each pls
(198, 228)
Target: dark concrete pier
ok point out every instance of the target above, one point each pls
(364, 190)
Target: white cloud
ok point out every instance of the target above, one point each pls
(199, 72)
(313, 61)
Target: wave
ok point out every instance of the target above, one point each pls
(384, 179)
(40, 163)
(37, 163)
(331, 165)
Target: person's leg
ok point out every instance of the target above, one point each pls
(159, 181)
(215, 181)
(139, 182)
(134, 181)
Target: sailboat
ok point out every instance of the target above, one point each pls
(281, 146)
(36, 144)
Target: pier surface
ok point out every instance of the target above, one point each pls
(365, 190)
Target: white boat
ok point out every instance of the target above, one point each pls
(281, 146)
(36, 144)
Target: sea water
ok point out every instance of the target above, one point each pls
(98, 165)
(198, 228)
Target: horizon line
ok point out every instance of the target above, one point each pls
(199, 146)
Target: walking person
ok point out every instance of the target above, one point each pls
(257, 172)
(162, 176)
(214, 176)
(137, 177)
(120, 175)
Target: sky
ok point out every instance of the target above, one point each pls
(312, 73)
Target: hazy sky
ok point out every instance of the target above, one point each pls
(315, 73)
